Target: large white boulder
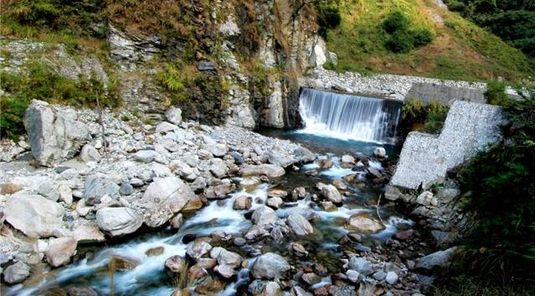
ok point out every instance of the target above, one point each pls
(118, 221)
(164, 198)
(270, 266)
(34, 215)
(54, 134)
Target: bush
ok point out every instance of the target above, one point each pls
(400, 42)
(503, 195)
(395, 22)
(495, 93)
(421, 37)
(328, 18)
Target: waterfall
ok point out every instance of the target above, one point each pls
(348, 117)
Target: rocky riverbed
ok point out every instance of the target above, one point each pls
(218, 211)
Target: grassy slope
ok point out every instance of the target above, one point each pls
(461, 50)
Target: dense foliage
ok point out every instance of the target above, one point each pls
(427, 118)
(502, 183)
(402, 39)
(512, 20)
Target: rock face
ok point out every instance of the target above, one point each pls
(270, 266)
(164, 198)
(118, 221)
(54, 134)
(34, 215)
(425, 158)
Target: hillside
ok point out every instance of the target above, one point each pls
(460, 49)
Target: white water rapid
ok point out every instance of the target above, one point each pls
(348, 117)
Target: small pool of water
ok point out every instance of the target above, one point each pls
(329, 145)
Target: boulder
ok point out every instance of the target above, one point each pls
(391, 277)
(379, 152)
(54, 135)
(60, 250)
(228, 258)
(331, 193)
(243, 202)
(363, 223)
(118, 221)
(438, 259)
(98, 186)
(89, 153)
(269, 170)
(164, 198)
(218, 168)
(362, 265)
(280, 157)
(274, 202)
(174, 115)
(270, 266)
(175, 264)
(16, 273)
(392, 193)
(165, 127)
(34, 215)
(198, 249)
(146, 155)
(264, 215)
(218, 150)
(300, 225)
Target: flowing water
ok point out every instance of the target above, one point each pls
(150, 278)
(351, 117)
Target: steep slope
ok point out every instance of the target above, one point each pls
(460, 49)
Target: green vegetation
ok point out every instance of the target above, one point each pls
(501, 182)
(42, 83)
(465, 285)
(495, 93)
(420, 39)
(426, 118)
(512, 20)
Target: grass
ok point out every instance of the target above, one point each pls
(460, 49)
(475, 286)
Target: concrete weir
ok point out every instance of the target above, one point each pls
(469, 128)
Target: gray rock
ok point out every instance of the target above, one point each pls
(228, 258)
(274, 202)
(300, 225)
(198, 249)
(206, 66)
(82, 291)
(298, 291)
(270, 266)
(362, 265)
(164, 198)
(118, 221)
(175, 264)
(225, 271)
(89, 153)
(165, 127)
(353, 276)
(280, 157)
(379, 152)
(243, 202)
(146, 155)
(392, 193)
(54, 135)
(268, 170)
(363, 223)
(97, 186)
(391, 277)
(16, 273)
(126, 189)
(438, 259)
(60, 250)
(218, 168)
(379, 275)
(34, 215)
(424, 198)
(219, 191)
(331, 193)
(174, 115)
(264, 215)
(177, 221)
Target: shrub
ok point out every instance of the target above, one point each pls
(421, 37)
(400, 42)
(328, 18)
(503, 195)
(495, 93)
(395, 22)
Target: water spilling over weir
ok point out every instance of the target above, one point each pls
(349, 117)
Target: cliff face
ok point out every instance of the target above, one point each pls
(234, 62)
(237, 61)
